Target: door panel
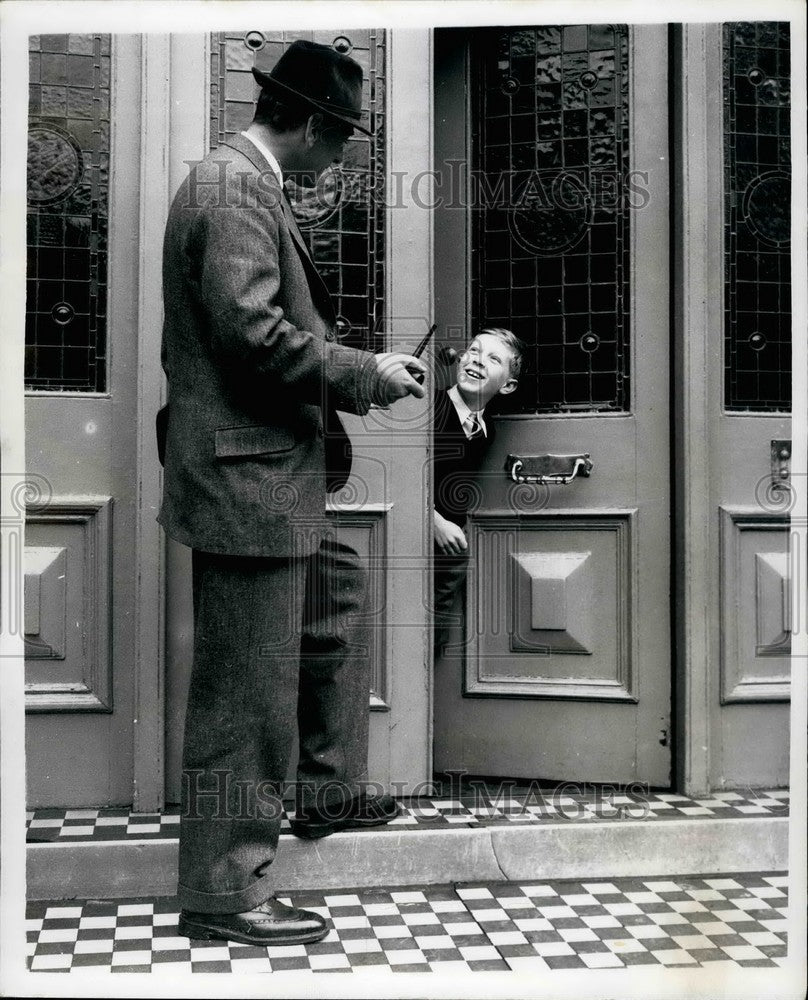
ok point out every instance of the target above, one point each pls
(750, 393)
(756, 606)
(738, 77)
(81, 409)
(563, 669)
(550, 618)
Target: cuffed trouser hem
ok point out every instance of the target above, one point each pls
(237, 901)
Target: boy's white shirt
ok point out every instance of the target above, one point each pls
(463, 412)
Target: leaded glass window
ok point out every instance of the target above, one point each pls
(68, 205)
(343, 218)
(757, 216)
(550, 211)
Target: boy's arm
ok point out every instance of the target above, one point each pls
(449, 537)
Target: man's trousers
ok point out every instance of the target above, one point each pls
(278, 643)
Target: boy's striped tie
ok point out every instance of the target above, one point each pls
(472, 426)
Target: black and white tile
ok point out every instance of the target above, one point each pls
(735, 920)
(484, 808)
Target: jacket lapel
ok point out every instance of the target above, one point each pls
(318, 287)
(294, 229)
(316, 283)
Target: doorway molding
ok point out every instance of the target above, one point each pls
(696, 128)
(149, 604)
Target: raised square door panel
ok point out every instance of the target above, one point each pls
(553, 599)
(67, 606)
(755, 606)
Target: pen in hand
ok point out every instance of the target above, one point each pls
(418, 376)
(419, 350)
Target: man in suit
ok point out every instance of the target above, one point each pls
(251, 445)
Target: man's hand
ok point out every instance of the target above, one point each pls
(396, 373)
(449, 537)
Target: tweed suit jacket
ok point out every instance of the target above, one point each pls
(252, 364)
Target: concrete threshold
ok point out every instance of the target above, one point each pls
(389, 858)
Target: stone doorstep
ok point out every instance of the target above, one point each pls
(110, 869)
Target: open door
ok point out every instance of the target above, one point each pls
(563, 668)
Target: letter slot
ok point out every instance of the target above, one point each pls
(549, 470)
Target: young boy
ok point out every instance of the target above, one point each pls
(488, 367)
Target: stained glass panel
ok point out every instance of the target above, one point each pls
(550, 215)
(68, 189)
(757, 216)
(343, 217)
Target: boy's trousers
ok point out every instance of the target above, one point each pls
(278, 644)
(449, 576)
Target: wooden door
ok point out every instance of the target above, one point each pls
(749, 398)
(81, 418)
(561, 234)
(364, 251)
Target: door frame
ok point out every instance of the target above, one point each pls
(694, 312)
(149, 605)
(175, 70)
(171, 70)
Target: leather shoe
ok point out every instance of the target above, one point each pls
(271, 922)
(359, 812)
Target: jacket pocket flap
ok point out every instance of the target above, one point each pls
(254, 439)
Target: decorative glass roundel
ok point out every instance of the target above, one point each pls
(766, 207)
(550, 214)
(55, 164)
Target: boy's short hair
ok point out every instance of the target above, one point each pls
(517, 347)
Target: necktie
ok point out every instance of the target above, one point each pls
(473, 426)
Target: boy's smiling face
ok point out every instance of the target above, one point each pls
(484, 371)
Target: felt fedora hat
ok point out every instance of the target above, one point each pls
(328, 81)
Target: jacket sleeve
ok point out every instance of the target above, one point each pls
(239, 278)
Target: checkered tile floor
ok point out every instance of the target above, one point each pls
(483, 809)
(738, 920)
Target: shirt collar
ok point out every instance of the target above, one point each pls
(463, 412)
(268, 155)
